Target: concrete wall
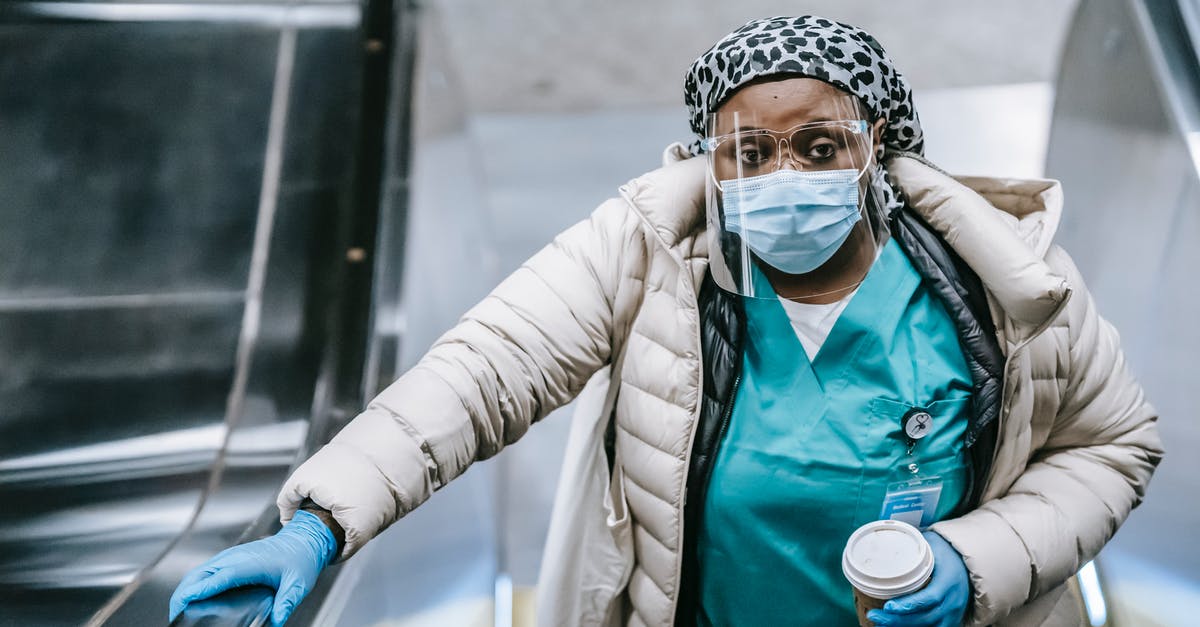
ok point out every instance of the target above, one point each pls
(567, 55)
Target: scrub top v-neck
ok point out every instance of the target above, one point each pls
(811, 447)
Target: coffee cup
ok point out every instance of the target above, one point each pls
(883, 560)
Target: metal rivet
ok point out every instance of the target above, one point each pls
(374, 46)
(356, 255)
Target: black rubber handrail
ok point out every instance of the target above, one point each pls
(249, 606)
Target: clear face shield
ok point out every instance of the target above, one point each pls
(791, 210)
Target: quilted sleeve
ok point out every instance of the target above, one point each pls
(526, 349)
(1079, 486)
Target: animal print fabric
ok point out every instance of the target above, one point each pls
(846, 57)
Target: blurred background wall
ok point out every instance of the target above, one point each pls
(599, 86)
(571, 55)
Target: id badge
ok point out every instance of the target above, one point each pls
(914, 501)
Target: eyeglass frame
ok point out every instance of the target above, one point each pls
(710, 144)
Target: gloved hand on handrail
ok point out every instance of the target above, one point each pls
(288, 561)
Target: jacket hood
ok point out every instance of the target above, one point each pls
(670, 200)
(1002, 227)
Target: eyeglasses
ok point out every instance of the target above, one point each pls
(827, 145)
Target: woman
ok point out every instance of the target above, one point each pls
(802, 321)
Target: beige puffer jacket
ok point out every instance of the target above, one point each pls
(1078, 441)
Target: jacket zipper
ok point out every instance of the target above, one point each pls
(1004, 395)
(702, 488)
(725, 420)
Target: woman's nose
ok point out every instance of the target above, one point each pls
(787, 160)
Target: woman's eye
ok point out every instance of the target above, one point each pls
(822, 151)
(753, 155)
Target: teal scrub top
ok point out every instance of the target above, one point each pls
(812, 446)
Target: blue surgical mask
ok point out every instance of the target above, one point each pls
(795, 221)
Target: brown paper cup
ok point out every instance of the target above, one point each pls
(864, 604)
(883, 560)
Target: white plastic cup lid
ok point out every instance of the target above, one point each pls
(887, 558)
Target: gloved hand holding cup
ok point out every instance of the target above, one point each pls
(883, 560)
(905, 578)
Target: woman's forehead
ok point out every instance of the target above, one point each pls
(784, 103)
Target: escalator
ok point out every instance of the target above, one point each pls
(195, 192)
(1125, 142)
(192, 195)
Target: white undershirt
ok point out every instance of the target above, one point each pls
(812, 323)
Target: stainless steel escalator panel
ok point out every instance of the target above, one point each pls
(79, 376)
(119, 323)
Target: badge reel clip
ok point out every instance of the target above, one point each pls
(915, 499)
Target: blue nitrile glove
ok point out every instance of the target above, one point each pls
(942, 603)
(288, 561)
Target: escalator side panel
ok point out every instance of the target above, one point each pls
(1131, 223)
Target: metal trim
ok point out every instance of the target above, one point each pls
(343, 14)
(121, 301)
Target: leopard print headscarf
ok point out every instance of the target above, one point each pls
(844, 56)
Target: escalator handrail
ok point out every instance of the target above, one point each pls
(1172, 31)
(249, 606)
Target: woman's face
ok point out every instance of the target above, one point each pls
(781, 105)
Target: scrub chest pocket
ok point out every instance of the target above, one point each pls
(929, 470)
